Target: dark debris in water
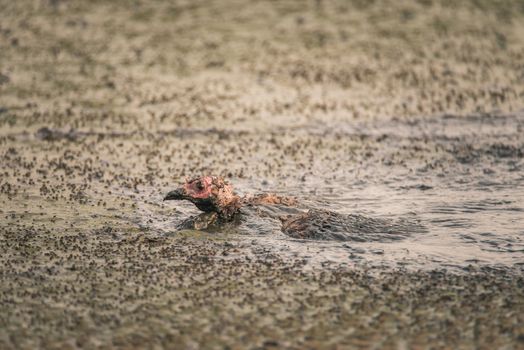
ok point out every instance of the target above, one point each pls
(467, 153)
(421, 187)
(47, 134)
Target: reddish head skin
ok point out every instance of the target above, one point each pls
(199, 188)
(209, 194)
(214, 194)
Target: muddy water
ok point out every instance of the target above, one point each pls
(84, 229)
(462, 183)
(400, 111)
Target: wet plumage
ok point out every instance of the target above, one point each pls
(217, 199)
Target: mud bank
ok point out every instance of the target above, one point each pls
(391, 110)
(130, 290)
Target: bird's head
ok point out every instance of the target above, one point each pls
(209, 194)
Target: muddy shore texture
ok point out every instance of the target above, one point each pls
(353, 106)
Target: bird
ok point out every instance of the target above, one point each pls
(216, 198)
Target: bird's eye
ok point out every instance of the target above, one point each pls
(199, 185)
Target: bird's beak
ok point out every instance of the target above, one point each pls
(178, 194)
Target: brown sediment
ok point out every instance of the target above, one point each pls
(270, 198)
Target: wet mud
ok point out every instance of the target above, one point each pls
(403, 119)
